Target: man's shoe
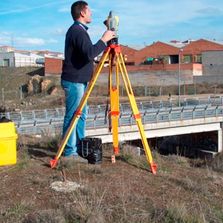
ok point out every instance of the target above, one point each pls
(73, 159)
(79, 159)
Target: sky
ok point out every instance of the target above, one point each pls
(42, 24)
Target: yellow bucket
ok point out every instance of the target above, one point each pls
(8, 138)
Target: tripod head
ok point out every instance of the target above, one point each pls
(112, 23)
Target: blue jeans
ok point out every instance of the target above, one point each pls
(73, 95)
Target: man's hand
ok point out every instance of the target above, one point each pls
(108, 35)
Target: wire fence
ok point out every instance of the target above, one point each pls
(140, 91)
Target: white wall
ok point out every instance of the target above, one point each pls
(26, 59)
(17, 59)
(8, 56)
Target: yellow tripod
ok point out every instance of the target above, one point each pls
(114, 56)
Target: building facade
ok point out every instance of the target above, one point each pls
(212, 67)
(20, 59)
(212, 62)
(176, 52)
(195, 58)
(10, 57)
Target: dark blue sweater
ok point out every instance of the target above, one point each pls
(79, 54)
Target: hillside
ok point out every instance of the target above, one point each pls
(184, 190)
(13, 90)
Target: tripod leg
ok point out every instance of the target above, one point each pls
(135, 111)
(114, 101)
(77, 114)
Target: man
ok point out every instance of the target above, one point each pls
(78, 69)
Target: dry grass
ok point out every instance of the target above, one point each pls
(217, 162)
(122, 192)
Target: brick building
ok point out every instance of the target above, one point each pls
(188, 51)
(159, 57)
(157, 50)
(192, 53)
(129, 54)
(53, 66)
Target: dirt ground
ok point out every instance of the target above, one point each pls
(183, 190)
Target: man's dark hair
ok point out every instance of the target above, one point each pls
(76, 9)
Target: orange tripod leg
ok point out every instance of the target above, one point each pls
(77, 115)
(135, 111)
(114, 103)
(114, 118)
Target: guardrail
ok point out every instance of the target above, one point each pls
(50, 120)
(211, 100)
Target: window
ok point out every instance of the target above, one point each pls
(187, 58)
(198, 58)
(6, 62)
(174, 59)
(165, 59)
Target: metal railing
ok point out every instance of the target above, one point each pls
(49, 121)
(145, 105)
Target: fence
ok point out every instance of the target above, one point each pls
(20, 93)
(49, 121)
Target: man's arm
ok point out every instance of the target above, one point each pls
(89, 50)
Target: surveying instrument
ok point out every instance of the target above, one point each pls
(116, 62)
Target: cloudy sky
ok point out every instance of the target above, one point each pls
(42, 24)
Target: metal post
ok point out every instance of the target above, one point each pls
(179, 74)
(161, 86)
(122, 89)
(145, 91)
(160, 90)
(20, 93)
(184, 89)
(195, 87)
(220, 139)
(3, 95)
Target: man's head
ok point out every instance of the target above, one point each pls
(81, 12)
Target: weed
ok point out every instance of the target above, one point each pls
(217, 162)
(176, 212)
(137, 161)
(219, 214)
(44, 141)
(17, 209)
(23, 160)
(48, 216)
(88, 206)
(14, 213)
(53, 143)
